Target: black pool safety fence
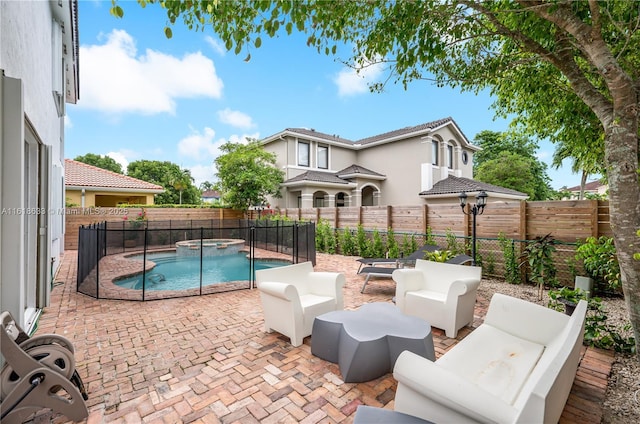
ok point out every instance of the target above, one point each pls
(148, 260)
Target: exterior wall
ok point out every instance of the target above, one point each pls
(401, 163)
(107, 198)
(32, 159)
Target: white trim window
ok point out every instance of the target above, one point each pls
(323, 157)
(435, 147)
(303, 154)
(449, 156)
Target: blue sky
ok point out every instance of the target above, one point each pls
(143, 96)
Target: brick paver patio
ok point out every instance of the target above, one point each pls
(207, 359)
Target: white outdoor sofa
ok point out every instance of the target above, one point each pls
(517, 367)
(444, 294)
(294, 295)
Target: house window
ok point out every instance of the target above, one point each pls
(303, 154)
(323, 157)
(450, 156)
(434, 152)
(465, 157)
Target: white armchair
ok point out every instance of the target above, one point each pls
(441, 293)
(293, 295)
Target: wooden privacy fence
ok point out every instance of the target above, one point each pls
(567, 220)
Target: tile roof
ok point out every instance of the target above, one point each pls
(593, 185)
(314, 133)
(211, 193)
(78, 174)
(456, 185)
(406, 130)
(357, 169)
(376, 138)
(319, 177)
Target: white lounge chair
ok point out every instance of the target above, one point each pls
(293, 295)
(442, 293)
(387, 272)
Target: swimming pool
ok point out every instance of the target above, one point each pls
(174, 272)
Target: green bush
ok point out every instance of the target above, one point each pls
(377, 248)
(392, 245)
(600, 261)
(348, 243)
(511, 268)
(597, 332)
(362, 242)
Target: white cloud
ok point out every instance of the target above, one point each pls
(121, 158)
(244, 138)
(216, 45)
(67, 122)
(115, 79)
(198, 144)
(235, 118)
(356, 80)
(202, 173)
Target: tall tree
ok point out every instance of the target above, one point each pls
(497, 147)
(590, 49)
(247, 174)
(104, 162)
(166, 174)
(509, 170)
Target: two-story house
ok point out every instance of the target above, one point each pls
(38, 76)
(400, 167)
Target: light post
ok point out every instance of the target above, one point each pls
(477, 209)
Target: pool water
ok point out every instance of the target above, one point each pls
(183, 272)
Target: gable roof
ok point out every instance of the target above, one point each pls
(388, 137)
(456, 185)
(78, 175)
(316, 176)
(590, 186)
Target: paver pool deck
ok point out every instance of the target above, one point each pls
(207, 359)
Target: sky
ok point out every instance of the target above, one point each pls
(143, 96)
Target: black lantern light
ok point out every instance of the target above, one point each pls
(475, 210)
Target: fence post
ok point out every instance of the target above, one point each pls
(425, 219)
(389, 217)
(594, 218)
(336, 221)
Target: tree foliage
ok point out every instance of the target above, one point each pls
(247, 174)
(545, 60)
(177, 182)
(104, 162)
(510, 161)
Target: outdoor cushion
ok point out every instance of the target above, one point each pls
(494, 360)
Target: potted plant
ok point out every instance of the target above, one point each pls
(566, 298)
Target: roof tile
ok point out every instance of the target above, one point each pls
(82, 175)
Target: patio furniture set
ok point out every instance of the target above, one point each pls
(517, 367)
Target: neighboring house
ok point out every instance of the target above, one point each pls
(88, 186)
(210, 196)
(394, 168)
(38, 76)
(593, 188)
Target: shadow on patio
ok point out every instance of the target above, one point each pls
(207, 359)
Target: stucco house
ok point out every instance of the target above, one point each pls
(594, 188)
(395, 168)
(89, 186)
(38, 76)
